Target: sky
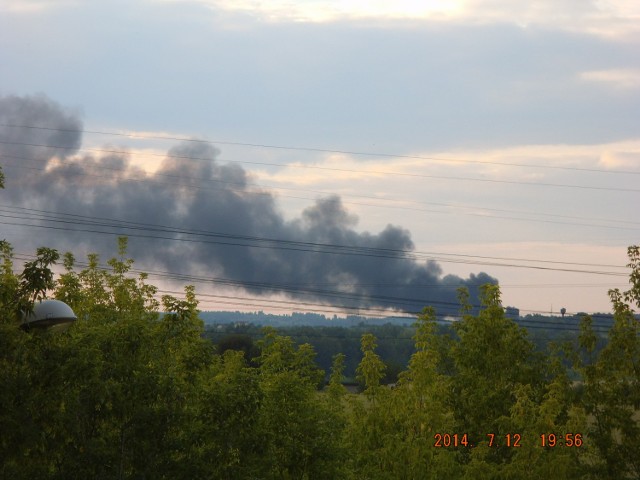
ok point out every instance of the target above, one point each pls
(495, 140)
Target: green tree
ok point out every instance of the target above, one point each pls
(612, 384)
(417, 411)
(336, 389)
(492, 359)
(68, 286)
(109, 397)
(10, 285)
(219, 434)
(239, 342)
(371, 368)
(425, 388)
(37, 278)
(369, 420)
(131, 392)
(20, 292)
(297, 427)
(557, 413)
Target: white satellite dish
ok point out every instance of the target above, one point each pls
(48, 313)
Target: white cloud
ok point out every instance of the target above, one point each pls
(34, 6)
(616, 159)
(440, 207)
(323, 10)
(619, 78)
(611, 18)
(498, 163)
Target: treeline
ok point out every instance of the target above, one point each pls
(127, 392)
(296, 318)
(395, 344)
(395, 341)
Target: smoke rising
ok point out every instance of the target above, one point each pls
(209, 196)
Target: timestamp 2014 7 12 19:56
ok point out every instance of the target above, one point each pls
(510, 440)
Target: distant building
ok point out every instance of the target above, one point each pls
(512, 312)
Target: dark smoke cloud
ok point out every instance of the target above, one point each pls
(206, 195)
(34, 111)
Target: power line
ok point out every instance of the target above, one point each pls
(439, 319)
(442, 260)
(297, 305)
(552, 325)
(271, 287)
(437, 177)
(42, 218)
(333, 295)
(240, 187)
(392, 285)
(258, 241)
(322, 150)
(370, 312)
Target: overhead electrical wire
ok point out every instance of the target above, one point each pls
(92, 220)
(320, 150)
(145, 227)
(443, 316)
(265, 242)
(370, 312)
(438, 177)
(240, 187)
(272, 287)
(356, 171)
(279, 288)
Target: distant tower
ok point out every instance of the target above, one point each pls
(563, 311)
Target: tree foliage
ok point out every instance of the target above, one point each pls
(133, 390)
(612, 383)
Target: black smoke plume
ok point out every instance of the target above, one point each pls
(243, 238)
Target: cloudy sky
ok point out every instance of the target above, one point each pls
(488, 137)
